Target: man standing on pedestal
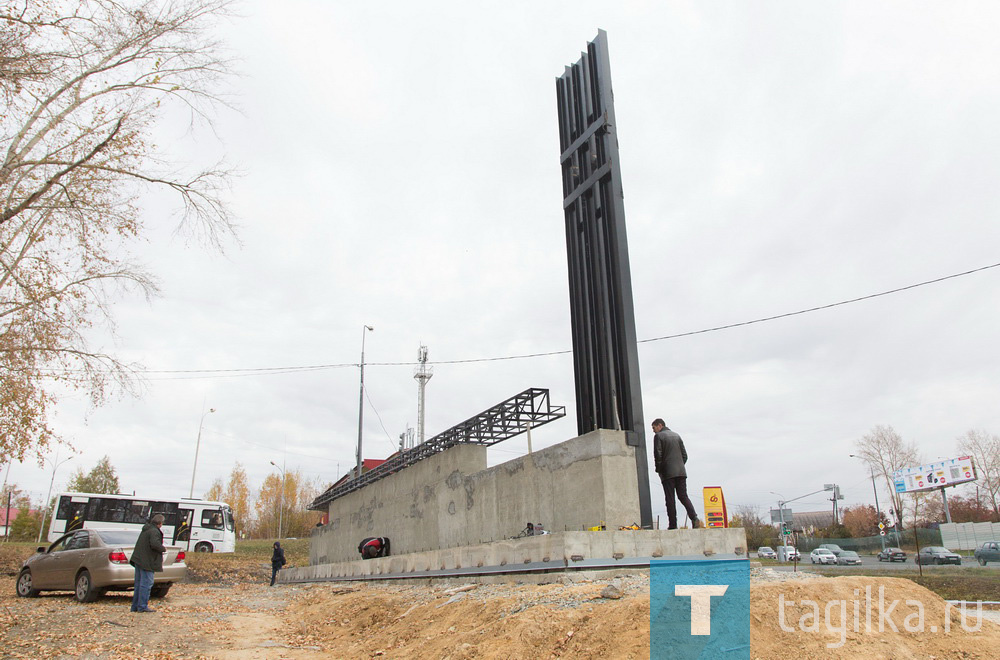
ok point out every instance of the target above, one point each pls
(669, 457)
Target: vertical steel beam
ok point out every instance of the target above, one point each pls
(605, 352)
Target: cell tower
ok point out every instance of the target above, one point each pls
(421, 374)
(406, 438)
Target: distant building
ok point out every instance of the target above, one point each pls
(5, 522)
(809, 522)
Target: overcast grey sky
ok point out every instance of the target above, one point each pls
(401, 170)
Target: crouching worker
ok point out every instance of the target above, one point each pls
(372, 547)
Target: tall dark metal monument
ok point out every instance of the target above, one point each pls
(605, 353)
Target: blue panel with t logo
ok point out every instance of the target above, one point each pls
(699, 609)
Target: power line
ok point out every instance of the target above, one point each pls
(260, 371)
(821, 307)
(389, 437)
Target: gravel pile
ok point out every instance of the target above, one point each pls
(771, 575)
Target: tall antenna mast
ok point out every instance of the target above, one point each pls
(421, 374)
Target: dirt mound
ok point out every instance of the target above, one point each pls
(487, 621)
(864, 617)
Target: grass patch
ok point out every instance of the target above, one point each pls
(13, 554)
(251, 561)
(968, 583)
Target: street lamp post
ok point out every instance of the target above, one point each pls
(361, 396)
(45, 508)
(196, 448)
(281, 506)
(878, 514)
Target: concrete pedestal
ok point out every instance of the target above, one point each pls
(559, 551)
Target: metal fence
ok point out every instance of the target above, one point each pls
(968, 536)
(873, 544)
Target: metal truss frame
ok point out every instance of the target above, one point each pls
(527, 410)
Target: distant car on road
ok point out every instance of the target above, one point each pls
(987, 552)
(935, 554)
(892, 554)
(90, 562)
(822, 556)
(766, 552)
(849, 558)
(832, 547)
(791, 554)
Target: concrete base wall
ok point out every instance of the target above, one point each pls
(560, 551)
(453, 500)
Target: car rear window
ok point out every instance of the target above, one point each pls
(118, 537)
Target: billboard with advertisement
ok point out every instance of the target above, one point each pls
(942, 474)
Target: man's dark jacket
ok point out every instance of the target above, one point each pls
(669, 455)
(148, 553)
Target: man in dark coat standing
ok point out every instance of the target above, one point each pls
(277, 561)
(147, 558)
(669, 457)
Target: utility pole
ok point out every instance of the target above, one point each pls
(197, 447)
(281, 506)
(45, 507)
(361, 398)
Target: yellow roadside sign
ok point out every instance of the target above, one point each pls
(715, 507)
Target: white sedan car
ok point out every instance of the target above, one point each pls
(822, 556)
(791, 554)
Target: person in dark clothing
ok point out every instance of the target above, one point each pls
(147, 558)
(373, 546)
(277, 561)
(669, 457)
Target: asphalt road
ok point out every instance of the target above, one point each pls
(873, 562)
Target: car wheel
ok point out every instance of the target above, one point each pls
(982, 562)
(24, 588)
(160, 590)
(85, 591)
(203, 547)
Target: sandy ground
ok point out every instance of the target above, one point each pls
(571, 619)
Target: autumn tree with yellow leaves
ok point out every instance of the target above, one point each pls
(82, 84)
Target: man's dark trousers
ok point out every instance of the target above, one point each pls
(678, 485)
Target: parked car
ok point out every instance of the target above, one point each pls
(791, 554)
(935, 554)
(832, 547)
(822, 556)
(987, 552)
(765, 552)
(92, 562)
(892, 554)
(848, 558)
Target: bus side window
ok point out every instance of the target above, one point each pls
(139, 513)
(65, 511)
